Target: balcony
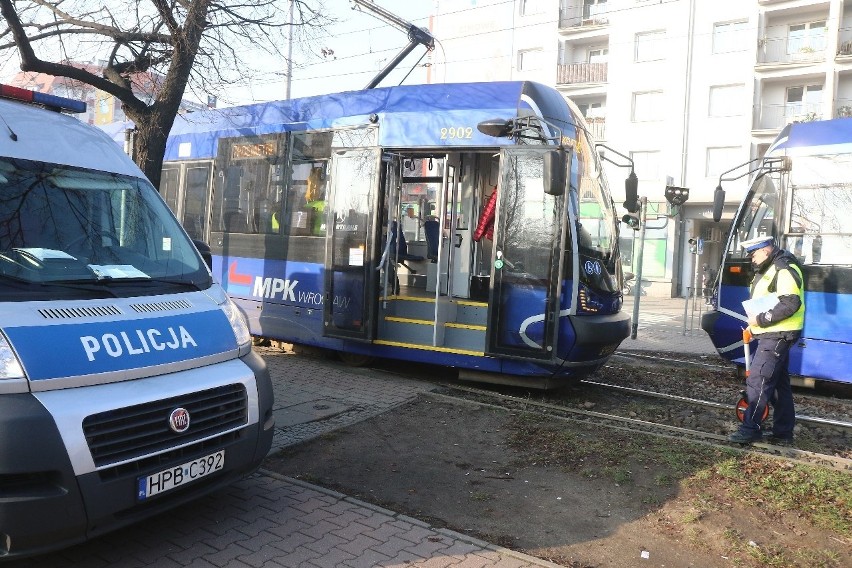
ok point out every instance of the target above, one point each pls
(580, 16)
(597, 128)
(843, 108)
(775, 117)
(777, 51)
(579, 73)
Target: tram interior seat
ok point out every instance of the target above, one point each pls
(399, 249)
(432, 231)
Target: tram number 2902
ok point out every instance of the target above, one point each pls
(456, 132)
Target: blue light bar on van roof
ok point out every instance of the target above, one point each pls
(51, 101)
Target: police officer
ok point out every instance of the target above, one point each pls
(776, 329)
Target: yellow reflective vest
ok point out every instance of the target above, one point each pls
(785, 285)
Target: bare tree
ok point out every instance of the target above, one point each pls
(196, 45)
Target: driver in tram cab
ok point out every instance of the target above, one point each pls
(778, 279)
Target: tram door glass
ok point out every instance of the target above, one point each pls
(525, 262)
(350, 275)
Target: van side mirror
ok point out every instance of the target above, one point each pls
(555, 172)
(204, 249)
(718, 203)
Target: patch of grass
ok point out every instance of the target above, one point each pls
(822, 497)
(818, 558)
(480, 496)
(621, 476)
(584, 450)
(691, 516)
(769, 556)
(663, 480)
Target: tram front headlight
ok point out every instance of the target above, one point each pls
(587, 303)
(10, 366)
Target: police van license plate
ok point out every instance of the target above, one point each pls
(179, 475)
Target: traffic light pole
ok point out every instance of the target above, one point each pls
(643, 215)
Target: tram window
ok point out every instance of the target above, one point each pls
(249, 182)
(420, 190)
(170, 185)
(306, 199)
(304, 206)
(196, 191)
(821, 230)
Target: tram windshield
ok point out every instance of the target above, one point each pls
(596, 225)
(820, 229)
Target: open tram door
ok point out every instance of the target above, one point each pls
(351, 280)
(527, 253)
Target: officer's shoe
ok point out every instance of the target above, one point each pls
(771, 438)
(739, 437)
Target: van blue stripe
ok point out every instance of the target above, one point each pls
(74, 349)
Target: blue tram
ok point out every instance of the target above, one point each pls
(800, 195)
(358, 222)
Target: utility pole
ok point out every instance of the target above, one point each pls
(643, 218)
(290, 52)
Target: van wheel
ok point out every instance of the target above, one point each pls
(354, 359)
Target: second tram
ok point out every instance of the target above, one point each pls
(801, 194)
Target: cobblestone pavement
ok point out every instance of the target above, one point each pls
(268, 521)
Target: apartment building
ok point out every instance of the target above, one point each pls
(687, 89)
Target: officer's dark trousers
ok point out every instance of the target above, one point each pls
(769, 383)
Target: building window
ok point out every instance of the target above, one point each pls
(806, 38)
(647, 107)
(594, 9)
(803, 103)
(591, 110)
(646, 165)
(729, 37)
(650, 46)
(598, 55)
(531, 7)
(530, 59)
(727, 100)
(722, 159)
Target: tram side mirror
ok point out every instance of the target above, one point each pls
(496, 127)
(555, 172)
(204, 249)
(718, 203)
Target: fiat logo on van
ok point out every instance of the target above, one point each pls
(179, 420)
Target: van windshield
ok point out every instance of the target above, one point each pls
(71, 232)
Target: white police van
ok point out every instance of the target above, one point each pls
(127, 381)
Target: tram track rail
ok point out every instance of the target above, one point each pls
(653, 394)
(634, 425)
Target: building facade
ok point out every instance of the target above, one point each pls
(687, 89)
